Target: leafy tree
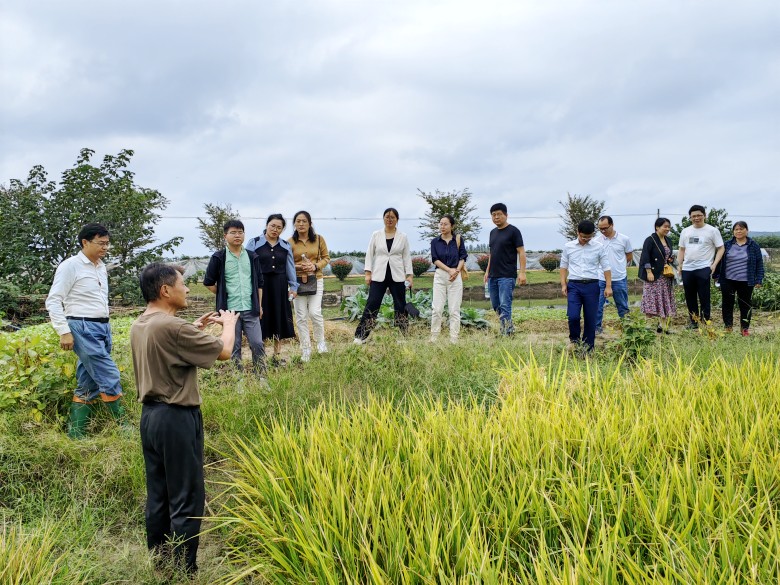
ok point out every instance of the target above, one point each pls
(768, 241)
(211, 233)
(42, 230)
(455, 203)
(575, 209)
(715, 217)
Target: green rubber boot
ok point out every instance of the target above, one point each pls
(118, 413)
(79, 417)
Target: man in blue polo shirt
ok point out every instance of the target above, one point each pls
(235, 276)
(580, 263)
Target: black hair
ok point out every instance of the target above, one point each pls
(697, 208)
(91, 230)
(498, 207)
(661, 221)
(608, 218)
(450, 218)
(232, 223)
(394, 210)
(586, 227)
(740, 223)
(312, 235)
(154, 276)
(274, 216)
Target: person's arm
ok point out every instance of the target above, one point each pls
(228, 321)
(487, 269)
(212, 274)
(292, 279)
(718, 256)
(564, 275)
(629, 257)
(521, 278)
(324, 254)
(680, 258)
(759, 265)
(608, 279)
(406, 255)
(369, 262)
(64, 278)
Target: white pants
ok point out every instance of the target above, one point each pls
(452, 292)
(310, 306)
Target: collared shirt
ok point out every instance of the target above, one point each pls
(448, 252)
(617, 247)
(238, 280)
(583, 262)
(80, 289)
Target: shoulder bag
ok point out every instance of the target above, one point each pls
(668, 271)
(464, 274)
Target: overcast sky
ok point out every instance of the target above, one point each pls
(344, 108)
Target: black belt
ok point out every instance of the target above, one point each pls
(91, 319)
(584, 281)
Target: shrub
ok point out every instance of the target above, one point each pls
(767, 297)
(341, 268)
(9, 297)
(420, 265)
(483, 260)
(550, 262)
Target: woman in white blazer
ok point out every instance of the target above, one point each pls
(388, 266)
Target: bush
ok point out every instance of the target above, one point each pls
(767, 297)
(550, 262)
(483, 260)
(9, 297)
(420, 265)
(341, 268)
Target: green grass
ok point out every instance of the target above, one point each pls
(702, 414)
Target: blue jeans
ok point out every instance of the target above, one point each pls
(619, 296)
(250, 325)
(96, 373)
(582, 297)
(501, 290)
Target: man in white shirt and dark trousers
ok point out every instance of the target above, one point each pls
(78, 308)
(580, 262)
(701, 248)
(620, 254)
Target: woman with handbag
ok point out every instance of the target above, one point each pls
(388, 266)
(448, 254)
(281, 286)
(740, 270)
(655, 269)
(310, 254)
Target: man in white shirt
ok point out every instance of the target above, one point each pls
(78, 308)
(620, 254)
(701, 248)
(580, 263)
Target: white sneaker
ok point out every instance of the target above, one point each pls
(306, 355)
(359, 341)
(322, 347)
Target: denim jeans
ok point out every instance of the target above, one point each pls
(619, 296)
(250, 325)
(501, 290)
(582, 297)
(96, 373)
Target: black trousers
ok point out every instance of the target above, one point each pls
(739, 289)
(172, 441)
(376, 291)
(697, 292)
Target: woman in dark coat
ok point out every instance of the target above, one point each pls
(740, 270)
(658, 292)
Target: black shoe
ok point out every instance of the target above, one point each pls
(659, 329)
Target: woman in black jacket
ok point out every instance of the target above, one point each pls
(658, 292)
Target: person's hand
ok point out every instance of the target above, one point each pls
(368, 278)
(521, 279)
(225, 318)
(410, 280)
(757, 285)
(453, 273)
(66, 341)
(292, 294)
(650, 276)
(201, 321)
(485, 278)
(260, 313)
(564, 289)
(608, 291)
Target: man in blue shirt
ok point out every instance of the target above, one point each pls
(580, 263)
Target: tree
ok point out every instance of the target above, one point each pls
(715, 217)
(211, 233)
(455, 203)
(575, 209)
(42, 230)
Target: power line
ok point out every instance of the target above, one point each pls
(513, 216)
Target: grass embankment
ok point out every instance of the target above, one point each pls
(669, 467)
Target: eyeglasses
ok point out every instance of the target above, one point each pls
(232, 233)
(603, 229)
(697, 216)
(102, 243)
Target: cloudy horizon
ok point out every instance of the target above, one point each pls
(345, 108)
